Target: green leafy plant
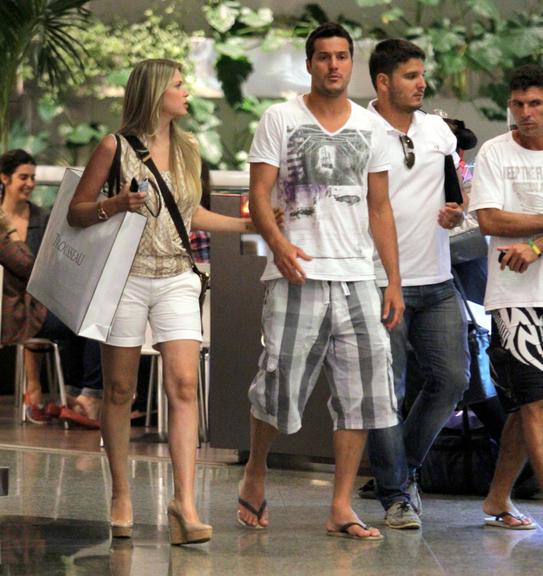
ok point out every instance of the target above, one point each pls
(19, 137)
(470, 45)
(203, 121)
(38, 32)
(80, 135)
(231, 23)
(234, 28)
(466, 40)
(111, 50)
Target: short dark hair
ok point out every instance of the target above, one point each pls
(10, 161)
(389, 54)
(327, 30)
(527, 76)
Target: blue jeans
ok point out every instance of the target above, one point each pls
(434, 326)
(80, 357)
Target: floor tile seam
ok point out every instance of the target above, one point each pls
(72, 452)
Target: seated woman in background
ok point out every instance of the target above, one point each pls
(18, 179)
(22, 225)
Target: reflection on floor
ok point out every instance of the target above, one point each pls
(54, 522)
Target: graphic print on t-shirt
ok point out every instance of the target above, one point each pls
(324, 166)
(527, 184)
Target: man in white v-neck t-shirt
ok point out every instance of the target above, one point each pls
(433, 324)
(320, 158)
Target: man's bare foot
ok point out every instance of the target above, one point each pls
(252, 509)
(493, 508)
(346, 523)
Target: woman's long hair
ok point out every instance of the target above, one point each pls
(141, 115)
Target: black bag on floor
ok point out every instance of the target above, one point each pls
(481, 386)
(461, 461)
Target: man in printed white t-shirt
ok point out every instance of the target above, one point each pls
(321, 158)
(433, 324)
(507, 195)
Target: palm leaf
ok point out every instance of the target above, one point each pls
(40, 32)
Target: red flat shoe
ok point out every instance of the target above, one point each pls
(52, 410)
(73, 417)
(34, 413)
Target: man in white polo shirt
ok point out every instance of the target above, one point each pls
(433, 324)
(507, 195)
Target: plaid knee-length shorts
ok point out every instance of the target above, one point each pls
(324, 323)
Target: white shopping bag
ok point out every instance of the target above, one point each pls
(80, 273)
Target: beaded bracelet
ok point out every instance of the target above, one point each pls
(535, 248)
(100, 212)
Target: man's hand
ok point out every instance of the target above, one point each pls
(451, 215)
(286, 259)
(393, 306)
(517, 257)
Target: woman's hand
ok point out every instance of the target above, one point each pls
(279, 220)
(126, 201)
(5, 222)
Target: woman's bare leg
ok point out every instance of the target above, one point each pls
(180, 368)
(33, 382)
(120, 371)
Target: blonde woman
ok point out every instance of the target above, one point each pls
(161, 288)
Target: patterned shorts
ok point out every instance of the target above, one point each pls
(332, 324)
(521, 335)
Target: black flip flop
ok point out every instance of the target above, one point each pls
(258, 513)
(343, 532)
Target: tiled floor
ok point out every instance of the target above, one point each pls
(54, 521)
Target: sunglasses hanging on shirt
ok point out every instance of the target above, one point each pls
(408, 151)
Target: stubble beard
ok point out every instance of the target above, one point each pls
(331, 92)
(526, 138)
(396, 102)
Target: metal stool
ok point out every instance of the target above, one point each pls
(156, 379)
(55, 376)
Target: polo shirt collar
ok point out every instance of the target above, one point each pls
(388, 127)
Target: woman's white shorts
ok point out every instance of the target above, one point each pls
(169, 304)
